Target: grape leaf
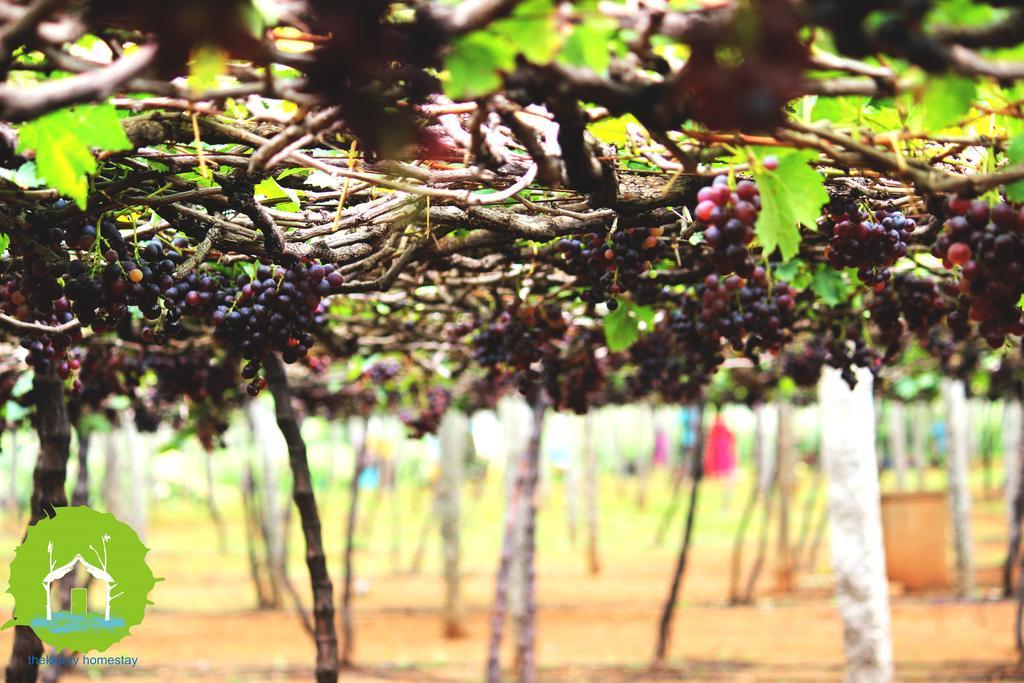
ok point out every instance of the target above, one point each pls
(587, 45)
(474, 65)
(612, 129)
(621, 328)
(271, 189)
(531, 30)
(945, 100)
(1015, 153)
(63, 142)
(476, 60)
(791, 195)
(829, 285)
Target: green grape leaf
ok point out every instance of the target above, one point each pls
(829, 285)
(587, 45)
(791, 195)
(1015, 153)
(474, 65)
(644, 314)
(531, 30)
(611, 130)
(621, 328)
(271, 189)
(945, 100)
(847, 109)
(476, 61)
(63, 141)
(209, 64)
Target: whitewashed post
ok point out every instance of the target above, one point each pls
(898, 441)
(854, 507)
(955, 394)
(920, 423)
(1012, 415)
(454, 437)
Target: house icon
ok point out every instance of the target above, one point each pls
(79, 595)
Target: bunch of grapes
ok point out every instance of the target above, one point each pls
(749, 313)
(276, 311)
(804, 366)
(870, 246)
(610, 266)
(199, 376)
(383, 371)
(728, 217)
(575, 375)
(913, 303)
(667, 365)
(988, 247)
(106, 371)
(836, 350)
(519, 339)
(101, 296)
(845, 353)
(40, 299)
(428, 419)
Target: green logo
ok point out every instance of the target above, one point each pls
(109, 562)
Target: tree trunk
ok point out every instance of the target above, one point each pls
(211, 503)
(138, 477)
(920, 422)
(1011, 434)
(394, 501)
(784, 575)
(1018, 621)
(347, 629)
(674, 501)
(454, 442)
(897, 441)
(668, 611)
(819, 534)
(767, 479)
(1012, 445)
(736, 566)
(268, 509)
(12, 484)
(526, 651)
(862, 589)
(521, 495)
(48, 493)
(80, 495)
(112, 471)
(251, 519)
(573, 466)
(590, 493)
(959, 491)
(305, 501)
(644, 428)
(426, 529)
(807, 520)
(986, 444)
(757, 565)
(1016, 515)
(514, 415)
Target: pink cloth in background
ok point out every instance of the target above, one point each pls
(660, 447)
(720, 452)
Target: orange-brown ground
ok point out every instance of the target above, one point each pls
(592, 628)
